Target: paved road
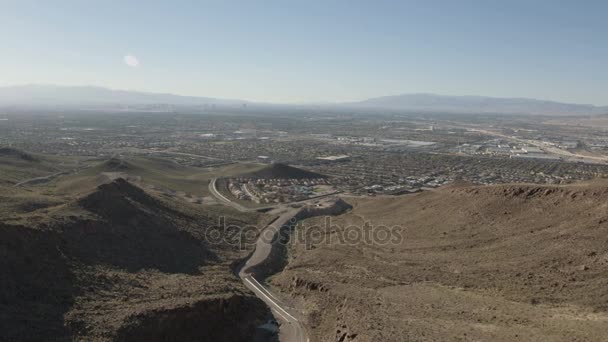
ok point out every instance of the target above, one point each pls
(291, 329)
(223, 199)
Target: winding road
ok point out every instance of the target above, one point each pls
(291, 329)
(224, 200)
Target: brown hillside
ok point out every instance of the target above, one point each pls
(500, 263)
(135, 231)
(121, 264)
(120, 200)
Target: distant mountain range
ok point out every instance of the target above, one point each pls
(477, 104)
(35, 95)
(90, 96)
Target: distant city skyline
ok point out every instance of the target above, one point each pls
(313, 51)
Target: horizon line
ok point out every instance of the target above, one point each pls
(318, 102)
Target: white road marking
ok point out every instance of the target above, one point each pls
(266, 290)
(218, 193)
(272, 301)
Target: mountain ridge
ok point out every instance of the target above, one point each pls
(478, 104)
(44, 94)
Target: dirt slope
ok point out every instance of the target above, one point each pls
(496, 263)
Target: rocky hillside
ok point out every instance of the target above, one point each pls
(494, 263)
(120, 264)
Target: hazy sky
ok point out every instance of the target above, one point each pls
(299, 51)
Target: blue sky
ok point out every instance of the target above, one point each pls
(309, 51)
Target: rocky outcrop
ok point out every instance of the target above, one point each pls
(298, 283)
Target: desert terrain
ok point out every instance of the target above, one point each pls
(108, 253)
(475, 263)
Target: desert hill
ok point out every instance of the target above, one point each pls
(117, 165)
(15, 153)
(282, 171)
(164, 175)
(119, 263)
(125, 214)
(500, 263)
(120, 200)
(17, 165)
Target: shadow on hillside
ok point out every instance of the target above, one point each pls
(136, 246)
(135, 231)
(36, 285)
(228, 319)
